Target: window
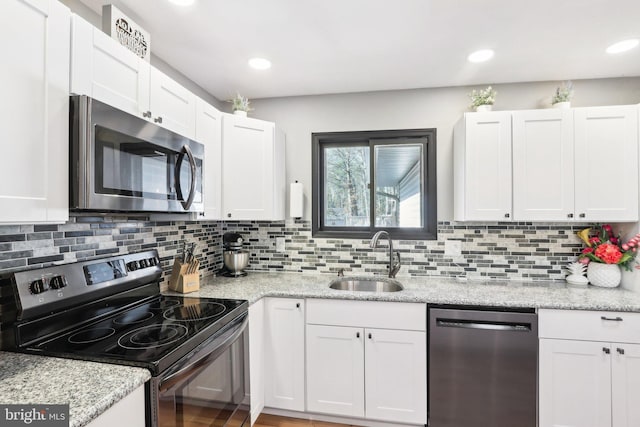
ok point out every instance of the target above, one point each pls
(368, 181)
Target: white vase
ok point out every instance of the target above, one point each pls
(240, 113)
(604, 275)
(483, 108)
(562, 105)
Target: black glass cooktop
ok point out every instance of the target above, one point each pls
(153, 334)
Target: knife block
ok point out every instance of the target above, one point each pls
(185, 277)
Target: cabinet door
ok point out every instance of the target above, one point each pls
(543, 165)
(248, 147)
(396, 375)
(256, 359)
(335, 370)
(172, 105)
(488, 166)
(625, 372)
(128, 411)
(284, 353)
(105, 70)
(606, 146)
(209, 133)
(34, 78)
(574, 384)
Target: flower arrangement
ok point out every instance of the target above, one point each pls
(607, 248)
(564, 93)
(483, 97)
(240, 103)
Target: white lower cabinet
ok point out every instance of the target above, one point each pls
(284, 353)
(585, 380)
(129, 411)
(377, 372)
(256, 359)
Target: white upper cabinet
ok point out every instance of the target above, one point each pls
(558, 165)
(482, 167)
(172, 105)
(543, 165)
(104, 70)
(209, 133)
(34, 77)
(253, 169)
(606, 141)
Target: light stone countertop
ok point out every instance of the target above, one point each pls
(426, 290)
(89, 388)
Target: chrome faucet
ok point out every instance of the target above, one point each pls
(393, 268)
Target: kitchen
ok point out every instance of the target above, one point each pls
(543, 249)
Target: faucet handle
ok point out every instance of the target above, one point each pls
(396, 267)
(341, 272)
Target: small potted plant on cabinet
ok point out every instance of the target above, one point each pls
(483, 99)
(240, 105)
(563, 95)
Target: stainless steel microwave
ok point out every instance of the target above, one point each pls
(122, 163)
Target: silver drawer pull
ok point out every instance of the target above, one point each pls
(611, 319)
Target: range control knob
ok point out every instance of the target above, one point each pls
(153, 261)
(143, 263)
(132, 266)
(38, 286)
(57, 282)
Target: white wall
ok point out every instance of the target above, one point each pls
(438, 108)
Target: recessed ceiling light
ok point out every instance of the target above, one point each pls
(623, 46)
(183, 2)
(259, 63)
(480, 55)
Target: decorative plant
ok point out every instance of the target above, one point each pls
(240, 103)
(605, 247)
(483, 97)
(564, 93)
(576, 268)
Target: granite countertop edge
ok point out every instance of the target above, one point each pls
(89, 388)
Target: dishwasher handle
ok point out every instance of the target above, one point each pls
(479, 324)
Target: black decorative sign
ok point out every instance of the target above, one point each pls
(129, 34)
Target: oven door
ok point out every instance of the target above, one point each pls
(123, 163)
(206, 387)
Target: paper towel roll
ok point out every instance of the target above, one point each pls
(296, 199)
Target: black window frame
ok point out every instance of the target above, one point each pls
(319, 140)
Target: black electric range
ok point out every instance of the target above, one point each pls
(130, 325)
(111, 310)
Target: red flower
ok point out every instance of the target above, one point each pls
(584, 261)
(607, 228)
(614, 240)
(587, 250)
(608, 253)
(594, 240)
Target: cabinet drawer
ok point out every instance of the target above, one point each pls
(605, 326)
(368, 314)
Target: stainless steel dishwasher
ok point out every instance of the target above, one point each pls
(482, 368)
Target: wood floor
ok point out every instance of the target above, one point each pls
(266, 420)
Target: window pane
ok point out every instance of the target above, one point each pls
(398, 179)
(346, 198)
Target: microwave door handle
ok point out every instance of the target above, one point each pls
(210, 352)
(186, 204)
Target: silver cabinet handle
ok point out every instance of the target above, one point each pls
(158, 119)
(620, 350)
(297, 305)
(611, 319)
(357, 334)
(570, 215)
(370, 336)
(606, 350)
(147, 114)
(228, 215)
(507, 215)
(582, 215)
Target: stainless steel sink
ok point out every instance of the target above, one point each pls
(366, 284)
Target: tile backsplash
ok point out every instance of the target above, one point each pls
(505, 250)
(520, 250)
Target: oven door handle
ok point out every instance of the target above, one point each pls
(186, 204)
(205, 353)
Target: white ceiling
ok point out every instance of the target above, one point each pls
(335, 46)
